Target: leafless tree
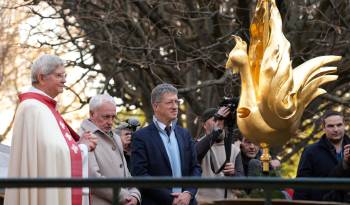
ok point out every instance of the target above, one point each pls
(139, 43)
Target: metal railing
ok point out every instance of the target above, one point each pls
(269, 184)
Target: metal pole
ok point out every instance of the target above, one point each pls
(268, 195)
(115, 200)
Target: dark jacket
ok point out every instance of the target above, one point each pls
(339, 195)
(149, 158)
(245, 163)
(246, 160)
(317, 160)
(205, 143)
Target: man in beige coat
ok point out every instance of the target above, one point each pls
(107, 160)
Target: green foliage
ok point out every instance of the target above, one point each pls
(289, 168)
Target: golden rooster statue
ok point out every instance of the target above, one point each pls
(273, 95)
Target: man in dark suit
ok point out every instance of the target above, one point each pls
(165, 149)
(321, 158)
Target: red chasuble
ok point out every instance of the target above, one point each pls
(70, 137)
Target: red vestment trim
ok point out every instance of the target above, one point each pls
(69, 135)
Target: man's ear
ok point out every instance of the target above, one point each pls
(204, 125)
(91, 113)
(40, 77)
(154, 106)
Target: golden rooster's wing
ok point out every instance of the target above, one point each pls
(276, 103)
(309, 76)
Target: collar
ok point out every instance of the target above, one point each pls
(36, 90)
(87, 125)
(38, 96)
(325, 143)
(161, 126)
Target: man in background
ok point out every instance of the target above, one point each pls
(252, 165)
(212, 156)
(319, 159)
(107, 160)
(125, 130)
(341, 170)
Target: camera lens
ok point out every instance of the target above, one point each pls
(133, 122)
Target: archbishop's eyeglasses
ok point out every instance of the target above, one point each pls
(59, 75)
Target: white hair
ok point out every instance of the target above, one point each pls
(45, 64)
(97, 101)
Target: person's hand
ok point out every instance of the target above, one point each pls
(130, 200)
(183, 198)
(89, 139)
(275, 163)
(125, 136)
(229, 169)
(347, 154)
(224, 111)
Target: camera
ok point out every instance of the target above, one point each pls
(132, 124)
(230, 120)
(232, 104)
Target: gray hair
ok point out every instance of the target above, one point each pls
(120, 127)
(45, 64)
(160, 89)
(97, 101)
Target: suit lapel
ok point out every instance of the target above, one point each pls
(160, 144)
(180, 142)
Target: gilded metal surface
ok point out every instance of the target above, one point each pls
(273, 95)
(265, 158)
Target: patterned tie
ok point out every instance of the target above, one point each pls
(168, 130)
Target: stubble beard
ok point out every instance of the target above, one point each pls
(336, 140)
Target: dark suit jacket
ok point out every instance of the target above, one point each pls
(149, 158)
(317, 160)
(339, 195)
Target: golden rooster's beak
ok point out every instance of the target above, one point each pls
(236, 55)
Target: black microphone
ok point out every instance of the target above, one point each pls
(254, 168)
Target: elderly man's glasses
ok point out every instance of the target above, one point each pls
(60, 75)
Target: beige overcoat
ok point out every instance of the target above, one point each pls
(107, 160)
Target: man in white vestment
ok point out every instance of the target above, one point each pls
(43, 144)
(107, 160)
